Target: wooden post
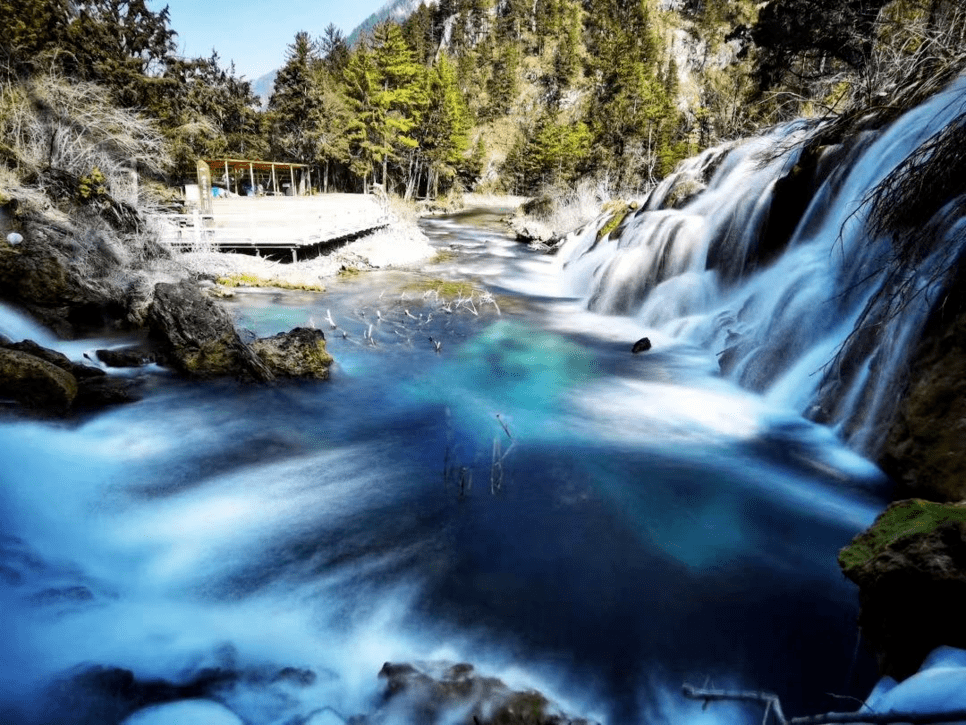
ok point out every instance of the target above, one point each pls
(308, 187)
(274, 181)
(251, 174)
(291, 172)
(227, 177)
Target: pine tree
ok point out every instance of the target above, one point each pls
(443, 136)
(293, 108)
(401, 94)
(366, 116)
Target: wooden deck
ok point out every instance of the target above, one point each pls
(284, 228)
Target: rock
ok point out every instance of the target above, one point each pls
(56, 281)
(299, 353)
(924, 451)
(92, 387)
(99, 392)
(198, 338)
(910, 566)
(35, 382)
(438, 693)
(531, 231)
(642, 345)
(125, 357)
(98, 694)
(56, 358)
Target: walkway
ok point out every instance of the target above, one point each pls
(286, 228)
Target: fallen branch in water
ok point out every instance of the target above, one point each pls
(773, 706)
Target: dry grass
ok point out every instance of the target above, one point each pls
(49, 123)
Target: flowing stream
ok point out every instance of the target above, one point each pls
(489, 476)
(531, 498)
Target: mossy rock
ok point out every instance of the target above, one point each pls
(299, 353)
(902, 519)
(618, 211)
(36, 383)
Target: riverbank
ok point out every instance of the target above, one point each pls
(400, 244)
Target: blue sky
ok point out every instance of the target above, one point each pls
(255, 34)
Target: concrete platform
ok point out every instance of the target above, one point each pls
(282, 227)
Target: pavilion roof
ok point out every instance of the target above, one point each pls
(245, 164)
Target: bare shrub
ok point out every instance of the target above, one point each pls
(49, 123)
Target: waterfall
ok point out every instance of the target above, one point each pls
(736, 254)
(16, 326)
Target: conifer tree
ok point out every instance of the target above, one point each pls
(401, 94)
(366, 116)
(293, 108)
(443, 135)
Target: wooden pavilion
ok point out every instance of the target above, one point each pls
(250, 177)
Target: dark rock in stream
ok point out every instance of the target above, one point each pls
(642, 345)
(299, 353)
(198, 338)
(47, 382)
(910, 567)
(436, 693)
(36, 383)
(67, 286)
(99, 695)
(126, 357)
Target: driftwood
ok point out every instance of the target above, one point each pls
(773, 707)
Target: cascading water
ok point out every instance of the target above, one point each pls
(775, 310)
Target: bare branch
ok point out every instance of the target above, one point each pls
(772, 704)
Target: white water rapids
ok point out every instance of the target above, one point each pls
(693, 275)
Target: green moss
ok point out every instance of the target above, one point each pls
(349, 272)
(904, 518)
(619, 211)
(251, 280)
(443, 256)
(447, 289)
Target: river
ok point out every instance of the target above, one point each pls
(530, 497)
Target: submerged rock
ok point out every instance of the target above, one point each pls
(457, 694)
(910, 566)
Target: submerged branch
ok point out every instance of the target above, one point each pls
(773, 705)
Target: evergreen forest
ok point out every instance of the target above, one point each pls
(490, 95)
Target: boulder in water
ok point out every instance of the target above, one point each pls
(910, 567)
(36, 383)
(198, 338)
(434, 693)
(642, 345)
(74, 386)
(125, 357)
(299, 353)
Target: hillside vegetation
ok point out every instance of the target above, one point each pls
(491, 95)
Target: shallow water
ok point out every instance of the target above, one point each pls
(531, 498)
